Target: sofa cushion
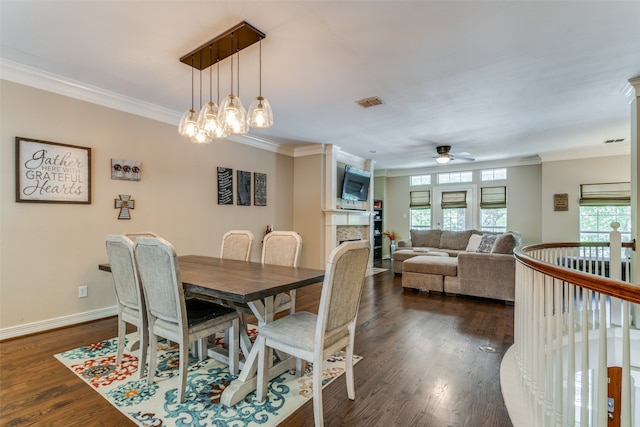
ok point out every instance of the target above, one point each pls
(474, 242)
(455, 239)
(504, 244)
(431, 265)
(425, 238)
(486, 243)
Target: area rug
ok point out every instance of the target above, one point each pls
(156, 404)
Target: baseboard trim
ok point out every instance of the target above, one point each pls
(57, 322)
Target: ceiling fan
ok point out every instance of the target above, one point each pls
(445, 156)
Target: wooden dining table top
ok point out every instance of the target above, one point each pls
(239, 281)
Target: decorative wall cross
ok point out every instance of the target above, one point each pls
(124, 203)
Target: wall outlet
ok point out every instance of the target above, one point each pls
(83, 291)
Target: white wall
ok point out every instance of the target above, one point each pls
(565, 176)
(48, 250)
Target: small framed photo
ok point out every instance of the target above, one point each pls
(51, 172)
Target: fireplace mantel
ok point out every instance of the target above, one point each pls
(347, 217)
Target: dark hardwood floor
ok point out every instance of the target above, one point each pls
(422, 366)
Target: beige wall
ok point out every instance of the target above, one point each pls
(523, 201)
(565, 176)
(308, 189)
(48, 250)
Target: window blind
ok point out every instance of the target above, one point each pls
(493, 197)
(420, 199)
(454, 199)
(606, 194)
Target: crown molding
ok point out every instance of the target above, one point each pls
(471, 166)
(60, 85)
(33, 77)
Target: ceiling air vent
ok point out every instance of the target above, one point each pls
(369, 102)
(613, 141)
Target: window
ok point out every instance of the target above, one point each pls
(602, 204)
(420, 209)
(455, 177)
(420, 180)
(493, 174)
(454, 210)
(493, 209)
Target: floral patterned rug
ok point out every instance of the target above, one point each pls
(156, 404)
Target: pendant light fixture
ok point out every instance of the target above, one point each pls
(232, 113)
(187, 126)
(260, 114)
(208, 117)
(230, 116)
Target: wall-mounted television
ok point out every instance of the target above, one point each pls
(356, 184)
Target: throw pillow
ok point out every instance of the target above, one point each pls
(504, 244)
(486, 243)
(474, 243)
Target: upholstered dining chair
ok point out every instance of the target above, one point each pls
(282, 248)
(174, 318)
(134, 236)
(236, 244)
(129, 295)
(314, 337)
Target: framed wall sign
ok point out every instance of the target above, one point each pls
(561, 202)
(259, 189)
(50, 172)
(244, 188)
(225, 186)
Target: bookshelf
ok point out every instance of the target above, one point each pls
(377, 230)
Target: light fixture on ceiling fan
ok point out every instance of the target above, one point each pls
(445, 156)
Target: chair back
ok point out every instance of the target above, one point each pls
(125, 272)
(342, 287)
(158, 267)
(236, 244)
(134, 236)
(282, 248)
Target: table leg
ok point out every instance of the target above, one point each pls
(247, 380)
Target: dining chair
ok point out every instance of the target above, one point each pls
(129, 296)
(282, 248)
(172, 317)
(236, 244)
(134, 236)
(311, 337)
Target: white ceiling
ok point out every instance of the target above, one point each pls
(497, 79)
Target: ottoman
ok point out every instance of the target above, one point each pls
(404, 254)
(428, 273)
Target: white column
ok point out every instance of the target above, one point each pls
(635, 164)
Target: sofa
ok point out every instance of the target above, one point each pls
(469, 262)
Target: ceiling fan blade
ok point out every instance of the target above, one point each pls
(463, 157)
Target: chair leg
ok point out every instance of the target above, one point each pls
(317, 393)
(153, 357)
(144, 344)
(348, 363)
(122, 325)
(292, 301)
(184, 365)
(264, 354)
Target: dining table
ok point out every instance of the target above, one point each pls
(248, 284)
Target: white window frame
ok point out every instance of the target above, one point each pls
(426, 180)
(467, 175)
(490, 174)
(471, 214)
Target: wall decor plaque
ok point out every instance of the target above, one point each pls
(259, 189)
(561, 202)
(244, 188)
(128, 170)
(51, 172)
(225, 186)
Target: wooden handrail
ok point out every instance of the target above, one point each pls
(614, 288)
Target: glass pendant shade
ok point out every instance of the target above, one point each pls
(260, 114)
(188, 124)
(208, 117)
(232, 115)
(201, 137)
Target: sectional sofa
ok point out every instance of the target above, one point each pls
(469, 262)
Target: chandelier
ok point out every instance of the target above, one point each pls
(215, 121)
